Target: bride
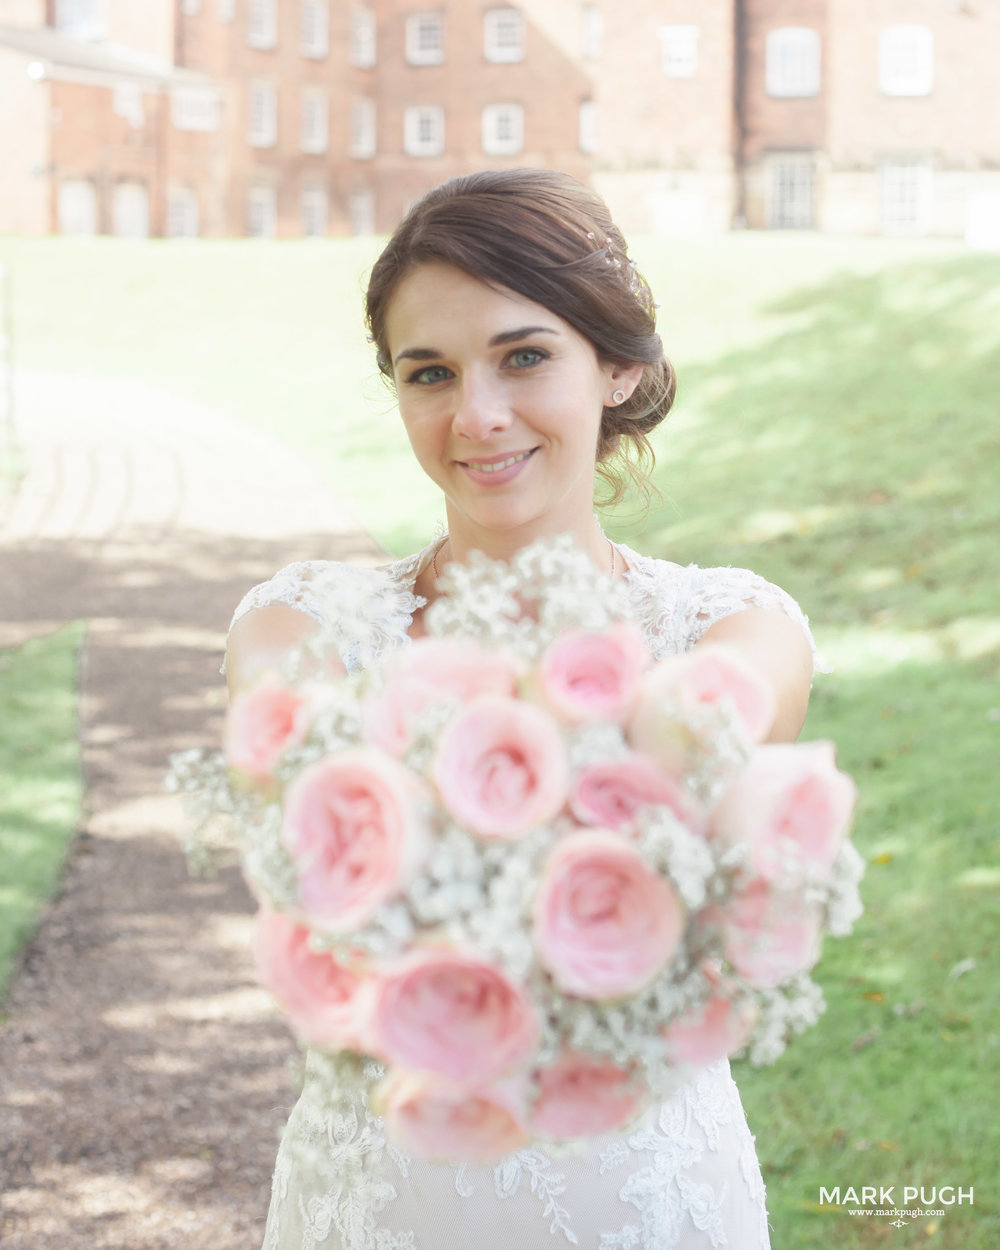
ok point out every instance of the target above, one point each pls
(522, 347)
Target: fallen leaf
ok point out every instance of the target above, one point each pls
(865, 1039)
(884, 858)
(874, 996)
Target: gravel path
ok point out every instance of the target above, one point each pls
(143, 1076)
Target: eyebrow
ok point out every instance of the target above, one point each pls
(498, 340)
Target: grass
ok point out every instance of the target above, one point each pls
(40, 796)
(836, 430)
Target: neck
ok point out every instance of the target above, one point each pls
(505, 544)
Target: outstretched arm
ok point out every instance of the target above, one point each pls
(261, 639)
(776, 646)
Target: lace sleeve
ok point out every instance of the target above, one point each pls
(716, 593)
(289, 586)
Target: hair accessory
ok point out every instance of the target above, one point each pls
(618, 396)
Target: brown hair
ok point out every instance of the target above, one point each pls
(551, 239)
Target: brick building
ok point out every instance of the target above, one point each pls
(314, 117)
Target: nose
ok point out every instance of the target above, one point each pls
(481, 407)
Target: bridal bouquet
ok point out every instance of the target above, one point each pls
(518, 877)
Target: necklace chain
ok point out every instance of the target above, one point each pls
(434, 557)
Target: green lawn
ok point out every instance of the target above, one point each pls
(39, 765)
(838, 430)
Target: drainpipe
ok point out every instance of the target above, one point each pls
(739, 114)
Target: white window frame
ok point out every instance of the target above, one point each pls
(906, 60)
(262, 213)
(796, 210)
(311, 200)
(363, 139)
(82, 19)
(182, 213)
(503, 129)
(503, 36)
(425, 38)
(262, 24)
(314, 105)
(587, 127)
(361, 210)
(226, 10)
(315, 29)
(78, 208)
(127, 102)
(679, 50)
(262, 115)
(196, 108)
(130, 210)
(190, 8)
(363, 37)
(907, 196)
(423, 130)
(591, 32)
(793, 63)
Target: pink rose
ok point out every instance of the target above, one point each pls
(318, 993)
(588, 676)
(612, 793)
(352, 828)
(435, 1120)
(791, 807)
(718, 1027)
(443, 1012)
(430, 671)
(770, 936)
(604, 922)
(262, 723)
(501, 767)
(583, 1096)
(706, 677)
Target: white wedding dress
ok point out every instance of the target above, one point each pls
(686, 1176)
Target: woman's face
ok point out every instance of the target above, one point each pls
(501, 400)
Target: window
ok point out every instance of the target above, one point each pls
(588, 127)
(423, 130)
(182, 213)
(262, 23)
(262, 213)
(679, 47)
(907, 190)
(196, 108)
(83, 19)
(314, 212)
(503, 35)
(793, 62)
(127, 103)
(503, 129)
(77, 208)
(792, 194)
(363, 139)
(315, 121)
(361, 209)
(425, 38)
(227, 10)
(906, 61)
(363, 38)
(130, 211)
(190, 8)
(262, 126)
(591, 32)
(315, 28)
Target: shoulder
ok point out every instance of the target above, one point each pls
(680, 603)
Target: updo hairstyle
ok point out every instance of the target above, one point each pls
(550, 239)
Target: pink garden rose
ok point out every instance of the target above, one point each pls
(583, 1096)
(444, 1012)
(354, 833)
(587, 676)
(262, 723)
(604, 922)
(436, 1120)
(611, 793)
(707, 676)
(770, 935)
(501, 767)
(791, 807)
(427, 672)
(318, 993)
(718, 1027)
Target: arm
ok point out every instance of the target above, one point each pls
(261, 639)
(777, 647)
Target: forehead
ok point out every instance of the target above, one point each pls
(438, 298)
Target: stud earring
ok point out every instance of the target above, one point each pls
(618, 396)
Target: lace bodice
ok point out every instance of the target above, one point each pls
(686, 1177)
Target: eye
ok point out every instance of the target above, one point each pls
(525, 357)
(429, 375)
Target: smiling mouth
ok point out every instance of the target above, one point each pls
(495, 466)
